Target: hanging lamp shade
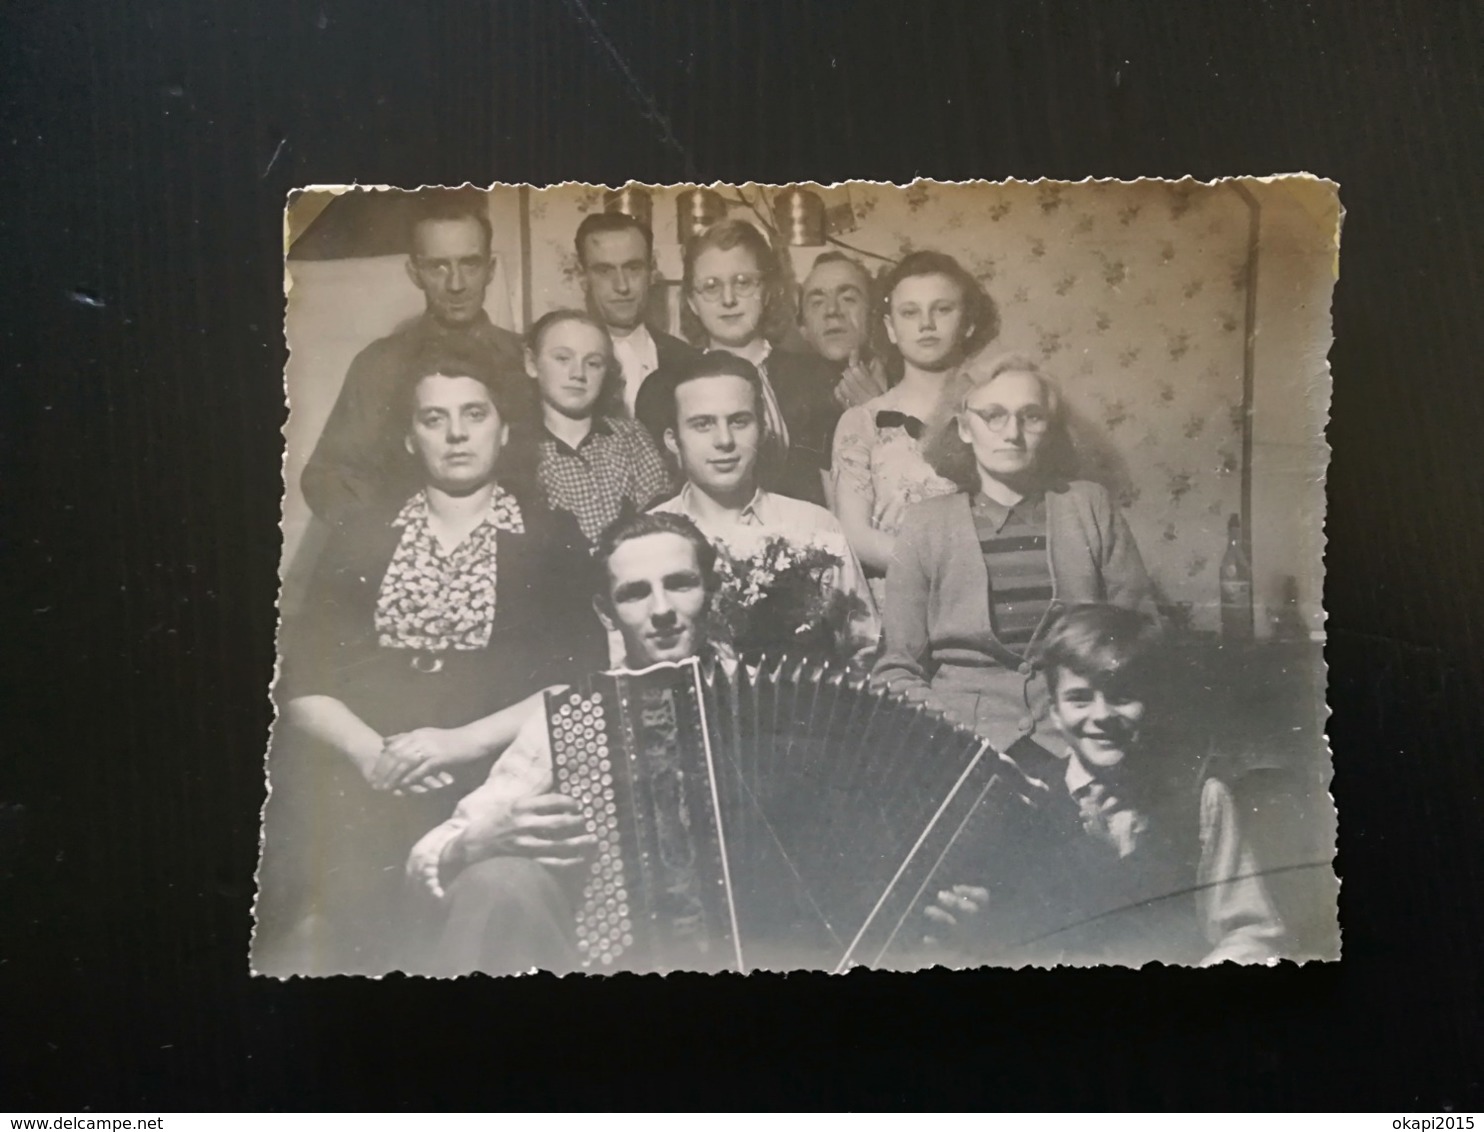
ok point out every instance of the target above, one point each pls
(800, 217)
(631, 200)
(696, 210)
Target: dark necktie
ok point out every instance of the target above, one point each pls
(890, 418)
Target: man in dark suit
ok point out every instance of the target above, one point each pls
(360, 461)
(616, 254)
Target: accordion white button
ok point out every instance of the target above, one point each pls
(1025, 670)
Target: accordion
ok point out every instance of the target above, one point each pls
(780, 817)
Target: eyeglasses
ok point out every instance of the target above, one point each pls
(1032, 420)
(744, 285)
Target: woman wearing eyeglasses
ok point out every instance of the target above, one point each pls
(936, 315)
(732, 302)
(975, 576)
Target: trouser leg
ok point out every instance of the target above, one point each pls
(505, 915)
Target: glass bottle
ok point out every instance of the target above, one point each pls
(1236, 586)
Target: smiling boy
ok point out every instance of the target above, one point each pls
(1139, 854)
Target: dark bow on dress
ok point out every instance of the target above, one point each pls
(890, 418)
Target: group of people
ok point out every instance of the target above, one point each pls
(509, 514)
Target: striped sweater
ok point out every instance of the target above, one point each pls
(1013, 542)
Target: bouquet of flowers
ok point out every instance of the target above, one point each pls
(779, 599)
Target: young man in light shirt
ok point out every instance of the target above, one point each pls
(715, 430)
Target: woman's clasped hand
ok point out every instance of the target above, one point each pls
(419, 761)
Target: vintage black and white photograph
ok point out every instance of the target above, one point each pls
(778, 577)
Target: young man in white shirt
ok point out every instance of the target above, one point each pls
(715, 429)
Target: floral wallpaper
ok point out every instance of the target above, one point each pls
(1131, 296)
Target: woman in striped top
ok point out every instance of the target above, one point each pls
(976, 575)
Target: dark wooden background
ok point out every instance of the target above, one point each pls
(146, 149)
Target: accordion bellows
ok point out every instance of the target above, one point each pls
(781, 817)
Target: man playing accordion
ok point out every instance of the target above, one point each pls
(508, 864)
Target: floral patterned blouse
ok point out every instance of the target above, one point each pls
(433, 600)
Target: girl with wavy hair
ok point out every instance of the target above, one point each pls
(936, 315)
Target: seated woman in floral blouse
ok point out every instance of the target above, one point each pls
(976, 576)
(416, 625)
(591, 459)
(936, 315)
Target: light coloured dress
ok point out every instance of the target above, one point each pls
(876, 455)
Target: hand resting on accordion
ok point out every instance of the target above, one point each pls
(951, 912)
(547, 828)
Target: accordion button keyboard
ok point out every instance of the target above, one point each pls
(580, 747)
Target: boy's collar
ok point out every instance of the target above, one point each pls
(1078, 777)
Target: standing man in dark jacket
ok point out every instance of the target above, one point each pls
(360, 460)
(616, 253)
